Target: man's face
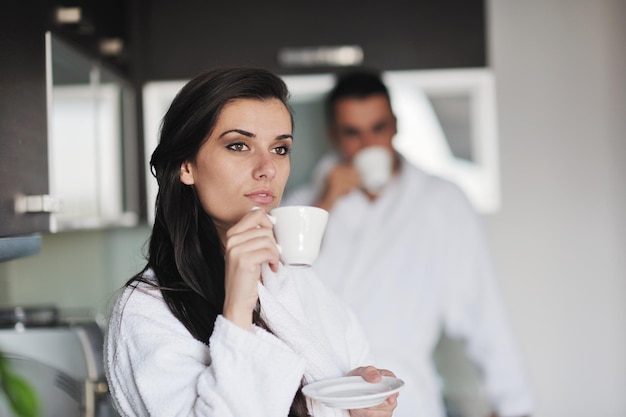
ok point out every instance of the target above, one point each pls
(363, 122)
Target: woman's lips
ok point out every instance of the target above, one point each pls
(261, 197)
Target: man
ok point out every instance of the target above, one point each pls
(411, 259)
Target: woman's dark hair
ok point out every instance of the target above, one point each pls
(185, 251)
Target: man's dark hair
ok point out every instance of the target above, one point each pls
(361, 83)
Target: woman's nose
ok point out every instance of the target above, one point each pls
(265, 168)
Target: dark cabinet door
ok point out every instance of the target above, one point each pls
(23, 126)
(176, 40)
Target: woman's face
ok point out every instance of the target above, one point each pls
(244, 162)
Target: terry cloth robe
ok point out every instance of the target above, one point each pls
(411, 263)
(156, 368)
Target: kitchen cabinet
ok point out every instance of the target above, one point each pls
(67, 133)
(392, 35)
(23, 122)
(91, 144)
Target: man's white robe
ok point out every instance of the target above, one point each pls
(411, 263)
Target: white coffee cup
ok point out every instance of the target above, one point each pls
(299, 231)
(375, 164)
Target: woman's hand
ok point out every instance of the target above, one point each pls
(249, 243)
(384, 409)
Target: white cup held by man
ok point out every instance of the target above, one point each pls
(299, 231)
(374, 164)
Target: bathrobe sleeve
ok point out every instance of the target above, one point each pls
(156, 368)
(473, 311)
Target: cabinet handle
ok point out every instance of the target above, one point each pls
(43, 203)
(339, 56)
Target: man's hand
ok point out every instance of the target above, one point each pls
(340, 181)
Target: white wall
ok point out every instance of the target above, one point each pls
(559, 240)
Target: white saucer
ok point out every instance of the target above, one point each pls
(352, 392)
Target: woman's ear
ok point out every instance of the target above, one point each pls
(186, 173)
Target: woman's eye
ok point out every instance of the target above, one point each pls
(237, 147)
(282, 150)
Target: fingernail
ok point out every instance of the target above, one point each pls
(272, 218)
(255, 208)
(280, 248)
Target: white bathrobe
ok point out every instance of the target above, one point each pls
(410, 263)
(156, 368)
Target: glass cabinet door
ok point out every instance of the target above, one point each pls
(87, 142)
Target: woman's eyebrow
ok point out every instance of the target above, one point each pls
(241, 132)
(252, 135)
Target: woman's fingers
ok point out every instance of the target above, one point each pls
(387, 372)
(249, 244)
(254, 225)
(257, 239)
(254, 219)
(384, 409)
(368, 373)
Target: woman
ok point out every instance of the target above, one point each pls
(214, 325)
